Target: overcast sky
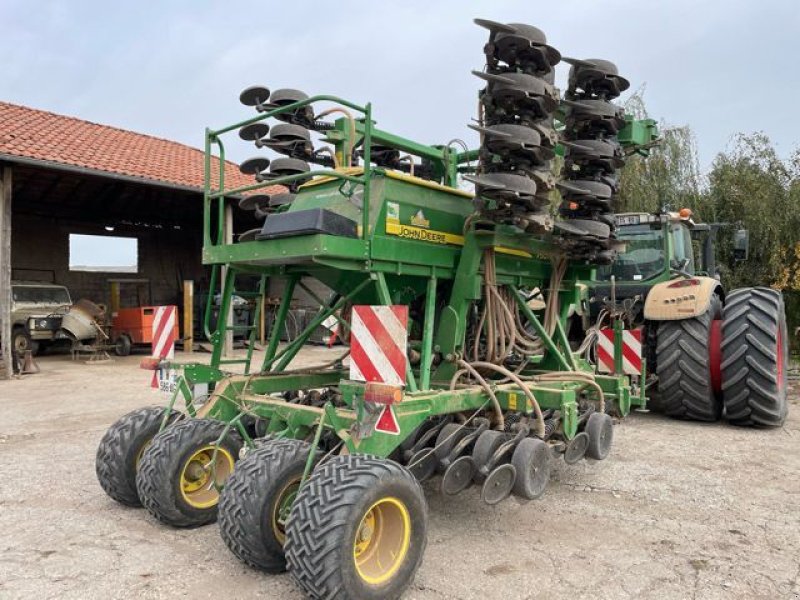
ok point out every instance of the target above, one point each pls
(171, 68)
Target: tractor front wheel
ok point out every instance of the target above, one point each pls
(256, 501)
(121, 449)
(178, 481)
(754, 357)
(357, 530)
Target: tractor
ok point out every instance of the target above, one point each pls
(453, 305)
(709, 351)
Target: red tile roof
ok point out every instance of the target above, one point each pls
(39, 135)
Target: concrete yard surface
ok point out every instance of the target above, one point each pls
(679, 510)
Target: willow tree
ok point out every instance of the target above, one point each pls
(668, 177)
(749, 187)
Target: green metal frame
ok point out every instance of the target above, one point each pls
(416, 252)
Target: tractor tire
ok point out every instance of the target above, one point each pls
(357, 530)
(754, 358)
(683, 366)
(121, 449)
(174, 480)
(252, 504)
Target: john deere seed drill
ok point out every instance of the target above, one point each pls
(317, 469)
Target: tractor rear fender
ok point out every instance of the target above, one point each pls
(683, 298)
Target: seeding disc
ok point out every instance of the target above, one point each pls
(576, 448)
(253, 132)
(254, 166)
(498, 484)
(254, 201)
(254, 95)
(423, 464)
(458, 476)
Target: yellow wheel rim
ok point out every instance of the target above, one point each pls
(140, 453)
(382, 539)
(281, 508)
(197, 487)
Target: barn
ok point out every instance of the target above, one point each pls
(113, 215)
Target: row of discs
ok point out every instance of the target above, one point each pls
(515, 175)
(291, 138)
(593, 157)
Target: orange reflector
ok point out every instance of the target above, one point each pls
(381, 393)
(683, 283)
(150, 364)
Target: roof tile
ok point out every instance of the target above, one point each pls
(36, 134)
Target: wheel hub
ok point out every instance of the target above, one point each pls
(381, 541)
(200, 477)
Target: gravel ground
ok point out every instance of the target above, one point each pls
(679, 510)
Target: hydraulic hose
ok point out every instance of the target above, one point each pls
(539, 429)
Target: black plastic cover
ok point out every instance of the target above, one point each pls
(307, 222)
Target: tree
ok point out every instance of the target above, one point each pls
(668, 177)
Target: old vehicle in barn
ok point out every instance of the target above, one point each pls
(37, 310)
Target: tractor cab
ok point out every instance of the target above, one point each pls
(657, 247)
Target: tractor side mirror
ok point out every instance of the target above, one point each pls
(741, 244)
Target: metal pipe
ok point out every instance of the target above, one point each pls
(277, 324)
(427, 335)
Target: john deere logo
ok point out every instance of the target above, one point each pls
(419, 219)
(392, 211)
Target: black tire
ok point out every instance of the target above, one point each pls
(326, 520)
(180, 452)
(122, 447)
(122, 347)
(532, 460)
(755, 358)
(485, 446)
(21, 342)
(683, 368)
(448, 437)
(600, 429)
(251, 499)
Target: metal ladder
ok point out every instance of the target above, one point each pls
(217, 337)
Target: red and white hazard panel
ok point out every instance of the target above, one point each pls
(163, 339)
(631, 351)
(163, 343)
(378, 341)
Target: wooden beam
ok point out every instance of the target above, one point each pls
(5, 271)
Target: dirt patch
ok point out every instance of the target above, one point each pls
(679, 510)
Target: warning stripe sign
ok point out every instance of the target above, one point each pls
(378, 342)
(163, 338)
(631, 351)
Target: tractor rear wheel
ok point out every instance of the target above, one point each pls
(754, 357)
(357, 530)
(121, 449)
(176, 480)
(683, 366)
(256, 501)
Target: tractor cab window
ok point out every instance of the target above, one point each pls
(643, 257)
(682, 247)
